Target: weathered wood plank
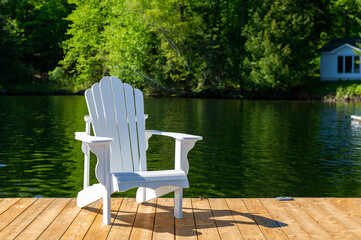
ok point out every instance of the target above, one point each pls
(308, 223)
(185, 228)
(205, 224)
(244, 220)
(268, 226)
(225, 222)
(144, 221)
(355, 201)
(349, 207)
(15, 210)
(325, 219)
(98, 229)
(164, 219)
(38, 226)
(61, 223)
(7, 203)
(288, 224)
(344, 219)
(124, 220)
(356, 211)
(304, 218)
(83, 221)
(24, 219)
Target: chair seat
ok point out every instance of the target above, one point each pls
(150, 176)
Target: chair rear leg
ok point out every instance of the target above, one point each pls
(141, 195)
(178, 197)
(106, 208)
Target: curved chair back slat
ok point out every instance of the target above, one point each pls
(139, 106)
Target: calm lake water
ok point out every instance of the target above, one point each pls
(250, 148)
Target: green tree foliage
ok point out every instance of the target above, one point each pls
(178, 31)
(205, 47)
(187, 45)
(43, 28)
(223, 46)
(85, 49)
(335, 19)
(278, 44)
(133, 48)
(33, 31)
(345, 14)
(154, 38)
(11, 67)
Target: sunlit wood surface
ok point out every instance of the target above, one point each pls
(219, 218)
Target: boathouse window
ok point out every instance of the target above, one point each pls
(348, 64)
(356, 64)
(340, 64)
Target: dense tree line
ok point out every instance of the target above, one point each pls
(31, 32)
(208, 47)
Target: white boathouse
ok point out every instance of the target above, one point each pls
(339, 60)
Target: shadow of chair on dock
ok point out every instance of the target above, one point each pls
(206, 221)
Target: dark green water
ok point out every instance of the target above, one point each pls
(250, 148)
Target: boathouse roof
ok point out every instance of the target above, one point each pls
(338, 42)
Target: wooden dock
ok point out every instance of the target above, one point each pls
(303, 218)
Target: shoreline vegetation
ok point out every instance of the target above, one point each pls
(347, 91)
(329, 91)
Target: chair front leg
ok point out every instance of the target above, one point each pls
(107, 208)
(86, 151)
(102, 173)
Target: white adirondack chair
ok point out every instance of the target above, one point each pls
(120, 143)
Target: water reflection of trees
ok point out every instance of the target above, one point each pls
(261, 148)
(339, 148)
(37, 145)
(249, 148)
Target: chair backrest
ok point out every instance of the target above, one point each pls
(117, 111)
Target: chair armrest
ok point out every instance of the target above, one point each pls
(101, 148)
(184, 143)
(84, 137)
(178, 136)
